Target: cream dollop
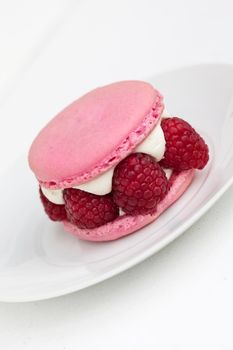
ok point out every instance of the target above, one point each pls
(154, 145)
(100, 185)
(165, 114)
(168, 173)
(54, 196)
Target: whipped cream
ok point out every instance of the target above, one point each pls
(121, 212)
(154, 145)
(100, 185)
(165, 114)
(168, 173)
(54, 196)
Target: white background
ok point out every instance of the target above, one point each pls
(181, 298)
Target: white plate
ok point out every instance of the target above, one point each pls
(39, 260)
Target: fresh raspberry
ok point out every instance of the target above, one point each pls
(185, 148)
(87, 210)
(139, 183)
(55, 212)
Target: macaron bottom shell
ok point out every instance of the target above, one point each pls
(127, 224)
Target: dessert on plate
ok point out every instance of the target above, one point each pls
(114, 160)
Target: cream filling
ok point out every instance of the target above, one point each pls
(100, 185)
(153, 144)
(165, 114)
(54, 196)
(168, 173)
(121, 212)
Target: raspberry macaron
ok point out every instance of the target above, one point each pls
(111, 163)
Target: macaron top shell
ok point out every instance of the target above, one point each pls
(94, 133)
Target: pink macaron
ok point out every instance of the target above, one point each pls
(92, 136)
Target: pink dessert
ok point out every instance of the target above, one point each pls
(112, 161)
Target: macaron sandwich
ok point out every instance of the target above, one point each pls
(114, 160)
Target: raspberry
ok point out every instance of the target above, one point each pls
(55, 212)
(139, 183)
(87, 210)
(185, 148)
